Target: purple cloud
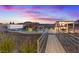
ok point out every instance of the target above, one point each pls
(7, 6)
(73, 14)
(56, 8)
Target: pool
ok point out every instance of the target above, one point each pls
(29, 32)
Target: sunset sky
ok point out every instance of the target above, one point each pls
(38, 13)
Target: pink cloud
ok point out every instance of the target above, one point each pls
(32, 14)
(44, 20)
(9, 8)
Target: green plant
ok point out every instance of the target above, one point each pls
(28, 47)
(7, 45)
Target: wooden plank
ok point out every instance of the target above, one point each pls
(53, 45)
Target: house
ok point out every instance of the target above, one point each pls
(32, 25)
(37, 26)
(14, 27)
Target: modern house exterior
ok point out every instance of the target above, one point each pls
(14, 27)
(35, 25)
(66, 26)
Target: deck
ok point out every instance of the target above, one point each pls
(53, 44)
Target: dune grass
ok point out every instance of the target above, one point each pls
(20, 42)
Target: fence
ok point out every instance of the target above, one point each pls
(69, 42)
(42, 41)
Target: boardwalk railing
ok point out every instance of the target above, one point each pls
(69, 42)
(42, 41)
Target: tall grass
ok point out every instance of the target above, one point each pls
(8, 44)
(28, 46)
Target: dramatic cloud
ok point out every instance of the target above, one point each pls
(39, 13)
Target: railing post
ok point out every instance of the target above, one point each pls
(38, 46)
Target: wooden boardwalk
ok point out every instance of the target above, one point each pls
(53, 45)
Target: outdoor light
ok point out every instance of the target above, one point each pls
(63, 23)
